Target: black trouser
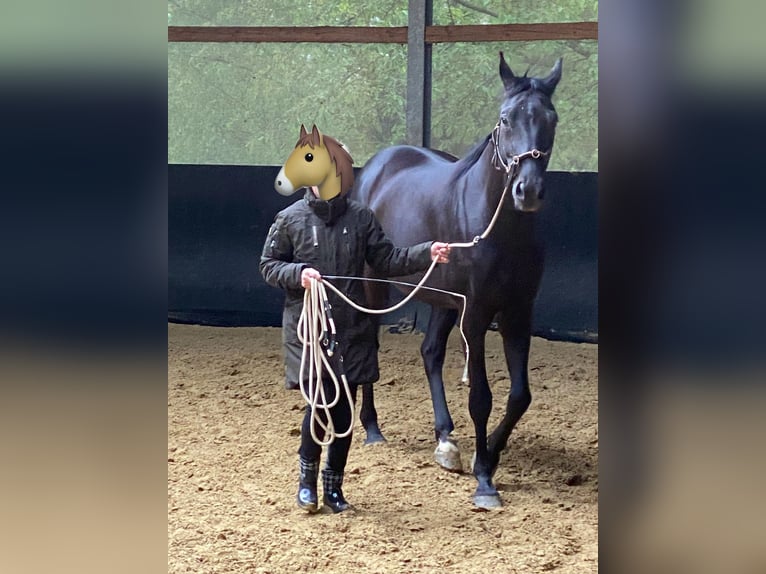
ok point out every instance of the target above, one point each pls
(337, 452)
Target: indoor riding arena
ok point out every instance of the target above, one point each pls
(243, 78)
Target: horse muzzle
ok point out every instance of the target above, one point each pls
(527, 194)
(283, 185)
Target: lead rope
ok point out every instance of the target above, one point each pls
(316, 318)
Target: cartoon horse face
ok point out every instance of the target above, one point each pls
(308, 165)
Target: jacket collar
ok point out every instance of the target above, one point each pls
(328, 211)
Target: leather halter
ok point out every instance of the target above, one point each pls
(510, 168)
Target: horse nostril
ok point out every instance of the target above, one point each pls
(279, 182)
(520, 190)
(541, 193)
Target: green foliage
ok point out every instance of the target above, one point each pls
(287, 12)
(456, 12)
(244, 103)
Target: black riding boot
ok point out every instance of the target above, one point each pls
(307, 485)
(333, 494)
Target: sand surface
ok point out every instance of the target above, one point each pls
(233, 434)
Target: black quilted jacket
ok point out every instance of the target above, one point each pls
(335, 237)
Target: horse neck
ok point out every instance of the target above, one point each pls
(330, 187)
(482, 185)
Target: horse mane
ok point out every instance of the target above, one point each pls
(338, 155)
(469, 160)
(525, 84)
(521, 84)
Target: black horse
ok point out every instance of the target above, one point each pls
(419, 195)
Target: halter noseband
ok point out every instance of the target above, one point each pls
(510, 168)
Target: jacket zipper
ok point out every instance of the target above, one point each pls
(315, 236)
(348, 244)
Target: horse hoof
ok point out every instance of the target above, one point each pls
(487, 501)
(447, 455)
(375, 439)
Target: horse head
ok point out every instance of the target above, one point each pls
(523, 136)
(317, 160)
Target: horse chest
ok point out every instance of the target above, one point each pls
(498, 272)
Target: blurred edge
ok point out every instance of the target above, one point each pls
(682, 320)
(83, 247)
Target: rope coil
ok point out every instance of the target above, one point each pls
(316, 331)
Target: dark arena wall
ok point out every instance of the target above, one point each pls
(218, 217)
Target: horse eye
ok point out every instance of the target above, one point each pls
(309, 157)
(504, 120)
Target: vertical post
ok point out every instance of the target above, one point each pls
(418, 113)
(427, 78)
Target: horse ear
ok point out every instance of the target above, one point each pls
(304, 133)
(505, 73)
(549, 84)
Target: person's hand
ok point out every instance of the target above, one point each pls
(307, 275)
(440, 251)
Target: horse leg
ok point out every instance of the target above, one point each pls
(515, 329)
(433, 351)
(376, 295)
(369, 416)
(480, 406)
